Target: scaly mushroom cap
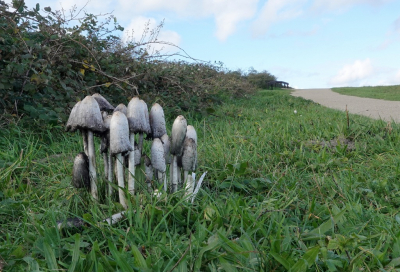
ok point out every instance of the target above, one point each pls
(157, 155)
(88, 115)
(80, 171)
(147, 128)
(189, 154)
(148, 168)
(122, 108)
(191, 133)
(157, 121)
(119, 134)
(138, 123)
(105, 139)
(72, 124)
(166, 144)
(178, 135)
(103, 103)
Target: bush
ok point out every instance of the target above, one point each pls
(49, 60)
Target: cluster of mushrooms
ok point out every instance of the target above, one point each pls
(117, 128)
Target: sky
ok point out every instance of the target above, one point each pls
(308, 43)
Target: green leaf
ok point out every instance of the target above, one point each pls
(121, 262)
(139, 260)
(282, 260)
(75, 253)
(37, 7)
(49, 256)
(319, 232)
(48, 9)
(307, 260)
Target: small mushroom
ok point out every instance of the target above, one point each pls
(119, 146)
(80, 172)
(166, 144)
(178, 134)
(157, 121)
(158, 161)
(122, 108)
(188, 157)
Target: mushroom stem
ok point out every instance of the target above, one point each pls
(105, 164)
(189, 185)
(85, 142)
(110, 174)
(131, 179)
(162, 178)
(140, 143)
(174, 174)
(120, 172)
(185, 176)
(92, 165)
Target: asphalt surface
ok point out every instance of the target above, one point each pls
(373, 108)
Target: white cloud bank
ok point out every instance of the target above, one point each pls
(353, 74)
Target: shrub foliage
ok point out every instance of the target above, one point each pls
(50, 59)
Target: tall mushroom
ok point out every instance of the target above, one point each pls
(119, 145)
(89, 119)
(105, 149)
(158, 161)
(157, 121)
(137, 124)
(72, 125)
(103, 103)
(178, 134)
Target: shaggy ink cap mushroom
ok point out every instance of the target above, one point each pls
(166, 144)
(103, 103)
(72, 124)
(178, 135)
(191, 133)
(157, 121)
(122, 108)
(88, 115)
(189, 154)
(157, 155)
(80, 171)
(136, 114)
(119, 134)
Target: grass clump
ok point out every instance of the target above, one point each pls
(275, 198)
(378, 92)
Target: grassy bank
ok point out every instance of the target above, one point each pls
(379, 92)
(284, 190)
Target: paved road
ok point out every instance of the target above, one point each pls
(374, 108)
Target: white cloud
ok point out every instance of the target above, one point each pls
(353, 74)
(137, 28)
(274, 11)
(226, 13)
(344, 4)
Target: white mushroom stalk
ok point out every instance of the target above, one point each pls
(89, 118)
(105, 149)
(178, 134)
(188, 157)
(119, 143)
(158, 161)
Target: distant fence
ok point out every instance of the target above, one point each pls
(277, 84)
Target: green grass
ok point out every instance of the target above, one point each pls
(274, 199)
(379, 92)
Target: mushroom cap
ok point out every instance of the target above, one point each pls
(88, 115)
(119, 134)
(107, 121)
(138, 121)
(148, 168)
(72, 124)
(166, 144)
(189, 156)
(80, 171)
(178, 135)
(121, 107)
(157, 155)
(157, 121)
(191, 133)
(103, 103)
